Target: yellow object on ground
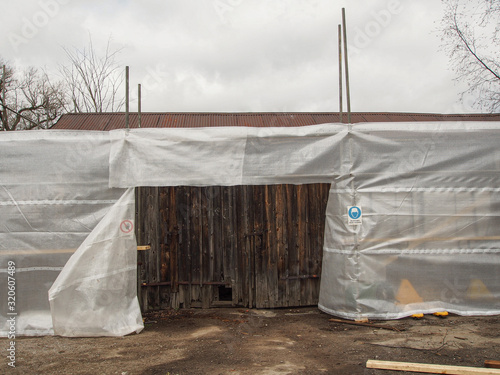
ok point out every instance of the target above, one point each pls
(441, 314)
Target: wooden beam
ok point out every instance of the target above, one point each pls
(143, 248)
(365, 324)
(492, 364)
(430, 369)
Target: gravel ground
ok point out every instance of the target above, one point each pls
(280, 341)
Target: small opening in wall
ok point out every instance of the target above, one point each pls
(225, 294)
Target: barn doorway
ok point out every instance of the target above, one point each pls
(252, 246)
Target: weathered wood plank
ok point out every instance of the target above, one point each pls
(185, 213)
(281, 246)
(293, 247)
(228, 234)
(325, 192)
(153, 255)
(164, 209)
(173, 243)
(205, 261)
(141, 256)
(260, 234)
(429, 368)
(195, 248)
(492, 364)
(303, 239)
(314, 245)
(248, 225)
(240, 212)
(216, 235)
(271, 274)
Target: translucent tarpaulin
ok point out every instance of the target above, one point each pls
(53, 193)
(429, 237)
(225, 156)
(98, 284)
(425, 237)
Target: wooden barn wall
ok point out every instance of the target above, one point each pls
(253, 246)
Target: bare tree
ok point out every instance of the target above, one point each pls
(93, 80)
(471, 38)
(29, 100)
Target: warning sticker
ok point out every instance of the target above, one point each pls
(354, 215)
(126, 226)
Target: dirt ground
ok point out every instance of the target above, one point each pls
(268, 342)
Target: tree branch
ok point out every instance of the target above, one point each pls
(464, 40)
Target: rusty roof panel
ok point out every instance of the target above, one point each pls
(427, 117)
(110, 121)
(400, 117)
(325, 118)
(80, 123)
(149, 121)
(371, 117)
(116, 122)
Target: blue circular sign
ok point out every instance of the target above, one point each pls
(354, 212)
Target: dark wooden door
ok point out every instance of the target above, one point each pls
(253, 246)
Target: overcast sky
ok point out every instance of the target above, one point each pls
(249, 55)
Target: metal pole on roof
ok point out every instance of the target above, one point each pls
(346, 68)
(127, 124)
(139, 104)
(340, 73)
(4, 88)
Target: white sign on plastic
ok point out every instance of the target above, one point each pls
(354, 215)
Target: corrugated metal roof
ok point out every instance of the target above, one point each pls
(110, 121)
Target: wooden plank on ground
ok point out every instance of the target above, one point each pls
(364, 324)
(429, 368)
(491, 364)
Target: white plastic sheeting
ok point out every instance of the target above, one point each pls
(225, 156)
(428, 238)
(53, 193)
(98, 284)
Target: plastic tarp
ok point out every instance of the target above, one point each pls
(98, 284)
(429, 237)
(426, 237)
(53, 194)
(225, 156)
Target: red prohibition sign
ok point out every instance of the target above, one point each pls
(126, 226)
